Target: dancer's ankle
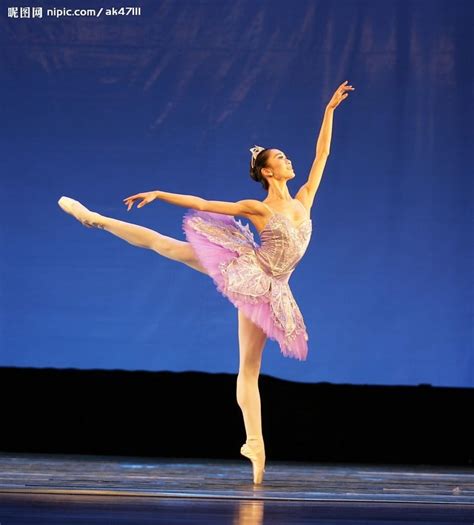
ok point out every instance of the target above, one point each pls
(97, 220)
(255, 440)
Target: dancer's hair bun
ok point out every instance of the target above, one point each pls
(257, 162)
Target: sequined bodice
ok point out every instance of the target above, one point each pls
(283, 244)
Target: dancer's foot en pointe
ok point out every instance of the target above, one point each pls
(254, 449)
(88, 218)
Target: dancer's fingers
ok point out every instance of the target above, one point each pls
(131, 197)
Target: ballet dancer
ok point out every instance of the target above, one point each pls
(253, 277)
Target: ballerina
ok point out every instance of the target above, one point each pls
(254, 277)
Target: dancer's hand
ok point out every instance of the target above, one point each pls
(339, 95)
(146, 197)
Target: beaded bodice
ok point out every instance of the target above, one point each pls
(283, 244)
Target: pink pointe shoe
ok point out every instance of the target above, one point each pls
(256, 453)
(88, 218)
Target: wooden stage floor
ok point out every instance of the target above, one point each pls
(221, 491)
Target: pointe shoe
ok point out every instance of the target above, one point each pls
(256, 454)
(88, 218)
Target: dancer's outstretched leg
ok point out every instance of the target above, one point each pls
(134, 234)
(251, 344)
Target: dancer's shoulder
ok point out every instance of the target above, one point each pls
(245, 208)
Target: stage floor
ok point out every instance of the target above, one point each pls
(47, 486)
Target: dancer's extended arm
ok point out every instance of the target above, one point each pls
(308, 191)
(244, 208)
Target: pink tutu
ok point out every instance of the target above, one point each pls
(246, 274)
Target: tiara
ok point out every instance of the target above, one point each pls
(255, 151)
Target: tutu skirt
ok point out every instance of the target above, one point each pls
(227, 250)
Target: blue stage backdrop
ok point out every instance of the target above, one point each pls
(98, 107)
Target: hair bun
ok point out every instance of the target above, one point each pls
(257, 162)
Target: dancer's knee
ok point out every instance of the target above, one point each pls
(170, 248)
(249, 370)
(177, 250)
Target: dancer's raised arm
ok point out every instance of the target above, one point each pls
(244, 208)
(308, 191)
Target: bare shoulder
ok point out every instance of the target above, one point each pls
(245, 208)
(304, 198)
(256, 212)
(251, 208)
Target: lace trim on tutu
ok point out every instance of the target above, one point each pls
(235, 236)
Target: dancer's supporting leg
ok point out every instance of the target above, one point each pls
(251, 344)
(134, 234)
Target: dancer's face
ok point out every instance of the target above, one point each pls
(279, 165)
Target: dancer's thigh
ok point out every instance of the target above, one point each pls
(251, 344)
(181, 251)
